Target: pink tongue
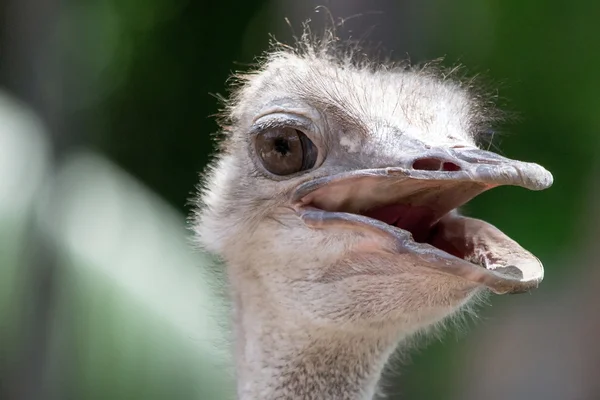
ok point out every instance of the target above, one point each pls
(415, 219)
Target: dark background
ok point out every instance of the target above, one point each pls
(106, 112)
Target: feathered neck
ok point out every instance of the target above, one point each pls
(283, 357)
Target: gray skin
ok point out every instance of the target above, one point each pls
(323, 294)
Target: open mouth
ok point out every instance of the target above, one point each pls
(415, 208)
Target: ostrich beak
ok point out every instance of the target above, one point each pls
(414, 206)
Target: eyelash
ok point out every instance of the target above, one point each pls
(278, 123)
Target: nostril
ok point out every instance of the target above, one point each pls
(449, 166)
(427, 164)
(435, 164)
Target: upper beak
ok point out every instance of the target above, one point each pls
(422, 192)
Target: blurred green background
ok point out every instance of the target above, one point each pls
(105, 125)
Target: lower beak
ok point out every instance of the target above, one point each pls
(413, 205)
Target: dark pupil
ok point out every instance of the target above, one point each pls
(282, 146)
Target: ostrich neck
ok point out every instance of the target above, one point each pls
(279, 358)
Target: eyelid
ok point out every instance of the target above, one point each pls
(282, 121)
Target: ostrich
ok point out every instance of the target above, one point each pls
(333, 205)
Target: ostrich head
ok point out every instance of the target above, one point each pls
(333, 203)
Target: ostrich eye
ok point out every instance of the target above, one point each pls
(285, 151)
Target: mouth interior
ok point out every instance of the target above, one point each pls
(418, 220)
(423, 208)
(426, 226)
